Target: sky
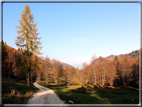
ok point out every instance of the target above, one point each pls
(73, 32)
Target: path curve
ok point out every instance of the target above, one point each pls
(44, 96)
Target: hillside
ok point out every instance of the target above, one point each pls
(65, 64)
(131, 54)
(62, 63)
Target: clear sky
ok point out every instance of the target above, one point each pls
(73, 32)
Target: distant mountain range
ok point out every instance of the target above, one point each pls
(112, 57)
(131, 54)
(65, 64)
(62, 63)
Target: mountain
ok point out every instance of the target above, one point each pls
(62, 63)
(65, 64)
(131, 54)
(112, 57)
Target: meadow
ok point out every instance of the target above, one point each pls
(95, 95)
(16, 91)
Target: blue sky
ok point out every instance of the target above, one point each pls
(73, 32)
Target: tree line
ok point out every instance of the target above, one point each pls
(14, 65)
(101, 71)
(119, 71)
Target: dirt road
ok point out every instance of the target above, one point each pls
(45, 96)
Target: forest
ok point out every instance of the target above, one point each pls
(25, 63)
(103, 72)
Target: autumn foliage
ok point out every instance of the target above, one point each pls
(101, 71)
(104, 72)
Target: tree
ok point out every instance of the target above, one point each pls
(19, 66)
(55, 70)
(135, 71)
(37, 64)
(28, 37)
(94, 69)
(116, 58)
(85, 73)
(110, 72)
(77, 73)
(5, 58)
(125, 70)
(103, 65)
(47, 67)
(69, 75)
(65, 73)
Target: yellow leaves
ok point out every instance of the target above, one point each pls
(64, 68)
(27, 31)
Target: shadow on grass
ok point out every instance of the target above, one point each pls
(16, 92)
(97, 95)
(119, 96)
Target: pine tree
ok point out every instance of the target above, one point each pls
(28, 37)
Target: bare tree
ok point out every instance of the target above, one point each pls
(94, 68)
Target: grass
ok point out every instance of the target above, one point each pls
(98, 95)
(16, 92)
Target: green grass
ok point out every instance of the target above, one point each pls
(89, 95)
(16, 92)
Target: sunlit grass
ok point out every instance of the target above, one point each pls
(99, 95)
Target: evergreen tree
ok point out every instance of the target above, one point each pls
(116, 58)
(28, 37)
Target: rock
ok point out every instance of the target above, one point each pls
(70, 101)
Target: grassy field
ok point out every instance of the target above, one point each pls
(16, 92)
(98, 95)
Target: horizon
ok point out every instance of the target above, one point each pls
(73, 32)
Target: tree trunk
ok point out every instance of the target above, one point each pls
(9, 71)
(38, 77)
(31, 78)
(111, 83)
(46, 79)
(27, 79)
(95, 78)
(104, 79)
(68, 84)
(4, 73)
(56, 81)
(4, 70)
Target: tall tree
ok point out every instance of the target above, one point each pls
(64, 73)
(103, 70)
(28, 37)
(94, 69)
(47, 67)
(55, 70)
(5, 58)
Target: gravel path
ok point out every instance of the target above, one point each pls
(45, 96)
